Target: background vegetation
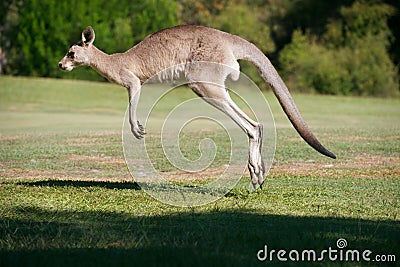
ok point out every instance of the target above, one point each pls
(346, 47)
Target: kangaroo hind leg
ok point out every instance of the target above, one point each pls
(217, 96)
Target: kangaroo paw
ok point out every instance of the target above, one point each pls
(138, 130)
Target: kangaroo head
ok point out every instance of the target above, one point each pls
(80, 53)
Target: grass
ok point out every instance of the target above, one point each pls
(67, 198)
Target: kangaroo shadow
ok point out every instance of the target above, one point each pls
(77, 183)
(41, 237)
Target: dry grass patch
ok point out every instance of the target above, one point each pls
(359, 167)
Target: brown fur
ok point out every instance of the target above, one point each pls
(179, 46)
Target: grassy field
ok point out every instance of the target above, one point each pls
(67, 198)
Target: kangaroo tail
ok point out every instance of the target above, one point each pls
(250, 52)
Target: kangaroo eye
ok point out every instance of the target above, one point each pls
(70, 54)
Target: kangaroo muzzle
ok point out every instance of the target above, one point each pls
(67, 66)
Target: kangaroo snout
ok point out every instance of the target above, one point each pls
(65, 66)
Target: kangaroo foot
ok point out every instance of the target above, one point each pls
(256, 164)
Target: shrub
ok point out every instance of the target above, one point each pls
(351, 58)
(46, 29)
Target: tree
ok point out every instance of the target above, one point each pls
(350, 58)
(46, 29)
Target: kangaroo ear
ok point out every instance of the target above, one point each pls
(88, 36)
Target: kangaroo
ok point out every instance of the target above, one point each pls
(181, 45)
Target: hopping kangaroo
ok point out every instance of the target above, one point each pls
(182, 45)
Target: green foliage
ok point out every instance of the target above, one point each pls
(351, 57)
(310, 67)
(330, 47)
(47, 28)
(359, 21)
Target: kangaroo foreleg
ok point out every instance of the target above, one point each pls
(132, 83)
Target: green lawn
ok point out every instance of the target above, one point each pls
(67, 198)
